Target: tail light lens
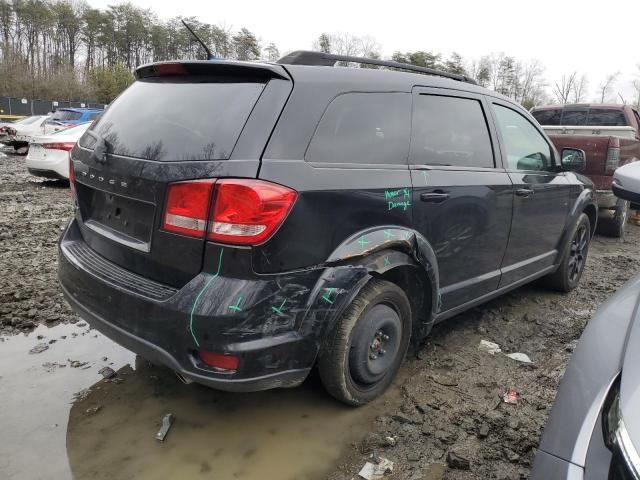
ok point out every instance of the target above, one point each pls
(72, 178)
(187, 207)
(237, 211)
(613, 159)
(247, 212)
(66, 146)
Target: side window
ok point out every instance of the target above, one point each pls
(363, 128)
(526, 148)
(450, 131)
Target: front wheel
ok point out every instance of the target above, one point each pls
(574, 257)
(364, 351)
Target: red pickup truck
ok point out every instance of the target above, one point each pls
(610, 137)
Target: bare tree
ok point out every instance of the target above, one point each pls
(607, 85)
(579, 90)
(562, 90)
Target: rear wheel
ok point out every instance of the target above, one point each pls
(613, 226)
(366, 348)
(574, 258)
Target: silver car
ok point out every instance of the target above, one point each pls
(593, 431)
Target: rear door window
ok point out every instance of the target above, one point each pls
(548, 117)
(525, 146)
(364, 128)
(171, 120)
(450, 131)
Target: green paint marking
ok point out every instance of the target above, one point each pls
(327, 296)
(362, 241)
(389, 233)
(407, 235)
(404, 192)
(386, 261)
(278, 310)
(195, 303)
(236, 307)
(403, 205)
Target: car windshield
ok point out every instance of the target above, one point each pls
(78, 129)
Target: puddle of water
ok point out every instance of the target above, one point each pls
(36, 400)
(299, 433)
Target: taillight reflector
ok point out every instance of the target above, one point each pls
(219, 360)
(247, 212)
(187, 206)
(66, 146)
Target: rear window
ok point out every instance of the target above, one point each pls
(77, 130)
(63, 115)
(176, 121)
(602, 117)
(575, 117)
(93, 116)
(548, 117)
(366, 128)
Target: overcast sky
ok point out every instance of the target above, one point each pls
(591, 37)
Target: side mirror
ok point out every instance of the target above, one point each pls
(572, 159)
(626, 182)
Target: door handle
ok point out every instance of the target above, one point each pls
(434, 197)
(524, 192)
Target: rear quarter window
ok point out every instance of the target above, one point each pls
(176, 120)
(364, 128)
(66, 115)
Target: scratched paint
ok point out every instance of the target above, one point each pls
(195, 302)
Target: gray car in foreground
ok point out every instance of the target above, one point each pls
(593, 431)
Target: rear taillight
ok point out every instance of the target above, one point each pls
(236, 211)
(247, 212)
(613, 155)
(187, 206)
(72, 178)
(66, 146)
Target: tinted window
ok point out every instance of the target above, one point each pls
(93, 116)
(575, 117)
(606, 117)
(63, 115)
(363, 128)
(526, 148)
(450, 131)
(548, 117)
(166, 121)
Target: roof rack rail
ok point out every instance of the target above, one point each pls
(308, 57)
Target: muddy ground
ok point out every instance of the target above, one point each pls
(444, 419)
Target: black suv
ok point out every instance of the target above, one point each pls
(242, 223)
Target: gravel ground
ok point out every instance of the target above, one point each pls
(451, 421)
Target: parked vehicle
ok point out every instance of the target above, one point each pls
(242, 222)
(18, 135)
(593, 431)
(610, 136)
(49, 154)
(68, 117)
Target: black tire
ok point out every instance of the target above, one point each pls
(352, 363)
(574, 257)
(613, 226)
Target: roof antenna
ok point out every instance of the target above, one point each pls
(206, 49)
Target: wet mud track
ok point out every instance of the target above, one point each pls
(61, 419)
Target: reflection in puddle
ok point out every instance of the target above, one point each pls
(281, 434)
(37, 391)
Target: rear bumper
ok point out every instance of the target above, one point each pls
(55, 166)
(277, 346)
(41, 172)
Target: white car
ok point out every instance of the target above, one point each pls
(49, 154)
(19, 134)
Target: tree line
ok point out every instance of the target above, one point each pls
(66, 49)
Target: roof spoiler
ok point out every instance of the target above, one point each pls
(217, 68)
(307, 57)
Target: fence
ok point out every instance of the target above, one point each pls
(19, 107)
